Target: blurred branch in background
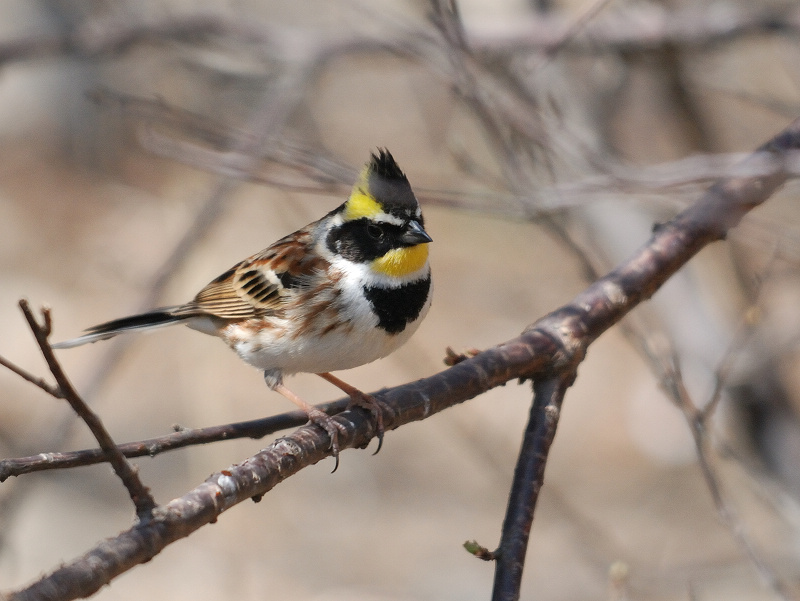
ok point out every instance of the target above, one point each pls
(592, 122)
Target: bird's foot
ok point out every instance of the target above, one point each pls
(315, 416)
(365, 401)
(331, 426)
(376, 409)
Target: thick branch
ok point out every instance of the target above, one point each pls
(528, 481)
(549, 348)
(604, 303)
(284, 457)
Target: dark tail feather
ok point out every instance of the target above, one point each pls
(144, 321)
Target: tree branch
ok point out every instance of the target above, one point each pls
(140, 495)
(528, 481)
(283, 458)
(549, 348)
(257, 428)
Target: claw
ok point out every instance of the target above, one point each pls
(376, 409)
(363, 400)
(315, 416)
(331, 426)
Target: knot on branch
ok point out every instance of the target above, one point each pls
(569, 338)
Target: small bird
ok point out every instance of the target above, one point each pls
(341, 292)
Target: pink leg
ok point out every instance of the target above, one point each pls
(320, 418)
(363, 400)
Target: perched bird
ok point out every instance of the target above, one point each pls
(343, 291)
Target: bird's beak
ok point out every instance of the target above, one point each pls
(414, 234)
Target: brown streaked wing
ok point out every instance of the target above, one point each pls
(259, 286)
(221, 299)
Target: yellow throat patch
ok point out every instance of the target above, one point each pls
(402, 261)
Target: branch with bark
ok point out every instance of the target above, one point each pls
(547, 352)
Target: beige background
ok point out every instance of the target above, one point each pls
(87, 217)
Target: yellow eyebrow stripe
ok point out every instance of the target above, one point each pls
(361, 204)
(402, 261)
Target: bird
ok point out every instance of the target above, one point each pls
(343, 291)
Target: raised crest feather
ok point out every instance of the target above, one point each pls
(384, 165)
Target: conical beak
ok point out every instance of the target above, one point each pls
(414, 234)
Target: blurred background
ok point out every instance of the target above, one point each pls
(150, 145)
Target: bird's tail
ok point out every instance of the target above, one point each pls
(145, 321)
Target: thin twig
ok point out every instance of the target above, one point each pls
(743, 333)
(257, 428)
(666, 364)
(727, 513)
(140, 495)
(646, 28)
(29, 377)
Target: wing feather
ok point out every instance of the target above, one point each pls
(260, 285)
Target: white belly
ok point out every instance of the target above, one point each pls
(330, 352)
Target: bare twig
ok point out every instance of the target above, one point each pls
(140, 495)
(202, 142)
(666, 364)
(257, 428)
(29, 377)
(697, 420)
(576, 27)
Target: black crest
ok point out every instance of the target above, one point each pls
(384, 165)
(390, 187)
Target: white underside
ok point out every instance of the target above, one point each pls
(317, 354)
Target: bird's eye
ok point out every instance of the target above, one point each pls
(375, 231)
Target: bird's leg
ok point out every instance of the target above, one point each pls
(363, 400)
(315, 416)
